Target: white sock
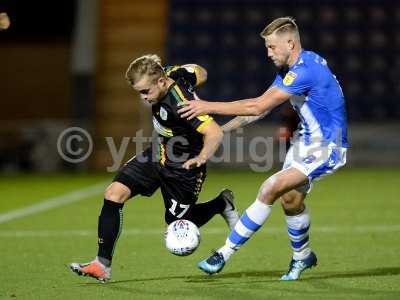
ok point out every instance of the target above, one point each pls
(298, 227)
(252, 219)
(226, 252)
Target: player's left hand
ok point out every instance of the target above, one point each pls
(194, 108)
(194, 163)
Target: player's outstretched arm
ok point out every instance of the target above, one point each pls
(212, 139)
(247, 107)
(241, 121)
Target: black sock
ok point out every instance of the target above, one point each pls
(203, 212)
(109, 229)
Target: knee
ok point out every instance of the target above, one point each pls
(117, 192)
(270, 190)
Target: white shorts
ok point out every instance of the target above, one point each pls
(314, 161)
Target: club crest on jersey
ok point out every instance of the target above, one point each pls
(163, 114)
(289, 78)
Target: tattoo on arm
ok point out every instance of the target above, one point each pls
(241, 121)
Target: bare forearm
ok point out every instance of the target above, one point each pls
(247, 107)
(211, 144)
(241, 121)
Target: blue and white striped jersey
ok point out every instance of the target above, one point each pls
(317, 98)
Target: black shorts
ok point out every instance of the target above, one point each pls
(179, 187)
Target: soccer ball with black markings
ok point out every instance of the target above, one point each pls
(182, 237)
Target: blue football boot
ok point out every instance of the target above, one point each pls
(214, 264)
(296, 267)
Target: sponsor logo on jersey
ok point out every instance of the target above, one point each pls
(163, 114)
(309, 159)
(289, 78)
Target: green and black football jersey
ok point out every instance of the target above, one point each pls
(178, 139)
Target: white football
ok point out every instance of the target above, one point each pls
(182, 237)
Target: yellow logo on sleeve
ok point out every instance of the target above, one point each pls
(289, 78)
(203, 118)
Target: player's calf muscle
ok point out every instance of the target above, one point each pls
(292, 203)
(117, 192)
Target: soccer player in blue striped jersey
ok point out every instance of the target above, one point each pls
(318, 148)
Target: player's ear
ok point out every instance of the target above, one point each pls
(161, 82)
(158, 81)
(291, 44)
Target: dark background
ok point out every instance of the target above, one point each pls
(62, 64)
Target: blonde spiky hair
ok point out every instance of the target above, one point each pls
(146, 65)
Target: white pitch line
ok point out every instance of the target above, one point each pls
(206, 231)
(53, 202)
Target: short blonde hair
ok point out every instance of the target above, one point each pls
(146, 65)
(280, 26)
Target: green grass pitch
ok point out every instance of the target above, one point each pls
(355, 232)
